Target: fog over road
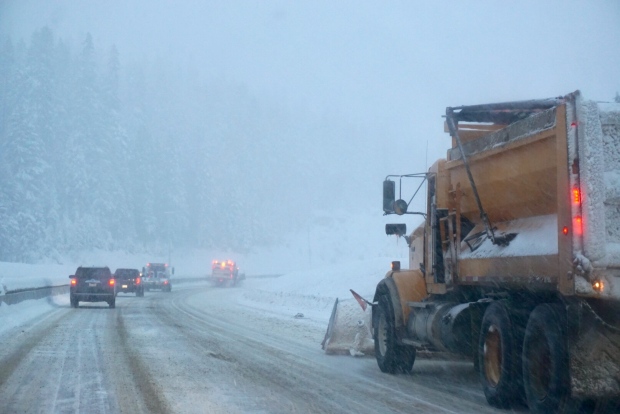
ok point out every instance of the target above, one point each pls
(198, 350)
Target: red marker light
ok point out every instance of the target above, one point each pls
(573, 124)
(112, 281)
(565, 230)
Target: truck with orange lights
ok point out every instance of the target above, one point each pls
(157, 276)
(225, 272)
(516, 264)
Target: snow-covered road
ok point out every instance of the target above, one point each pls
(202, 349)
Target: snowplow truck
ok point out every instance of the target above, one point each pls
(225, 272)
(516, 264)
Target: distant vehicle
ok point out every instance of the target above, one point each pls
(129, 281)
(92, 284)
(156, 276)
(225, 272)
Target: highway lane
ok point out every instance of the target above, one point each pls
(199, 350)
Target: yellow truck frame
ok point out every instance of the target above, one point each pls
(517, 263)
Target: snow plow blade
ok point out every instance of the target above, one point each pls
(348, 331)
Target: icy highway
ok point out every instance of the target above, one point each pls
(197, 350)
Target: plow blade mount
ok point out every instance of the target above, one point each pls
(348, 331)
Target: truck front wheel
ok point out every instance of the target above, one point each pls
(498, 355)
(545, 360)
(391, 357)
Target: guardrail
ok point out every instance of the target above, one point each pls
(15, 296)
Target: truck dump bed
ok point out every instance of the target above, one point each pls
(548, 173)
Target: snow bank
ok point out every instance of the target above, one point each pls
(23, 276)
(21, 313)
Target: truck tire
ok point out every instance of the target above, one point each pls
(112, 303)
(545, 360)
(74, 301)
(391, 357)
(499, 351)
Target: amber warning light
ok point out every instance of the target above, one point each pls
(598, 285)
(576, 196)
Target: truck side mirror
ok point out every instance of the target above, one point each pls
(397, 229)
(389, 196)
(71, 276)
(143, 270)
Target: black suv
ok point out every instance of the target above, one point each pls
(92, 284)
(129, 281)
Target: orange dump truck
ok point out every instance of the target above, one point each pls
(517, 262)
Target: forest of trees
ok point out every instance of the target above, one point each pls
(96, 153)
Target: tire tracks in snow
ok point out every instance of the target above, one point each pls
(141, 379)
(26, 343)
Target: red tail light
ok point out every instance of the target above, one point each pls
(578, 226)
(165, 282)
(137, 281)
(73, 282)
(112, 282)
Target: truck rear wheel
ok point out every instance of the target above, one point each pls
(545, 360)
(391, 357)
(112, 303)
(499, 355)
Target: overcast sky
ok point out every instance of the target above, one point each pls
(388, 67)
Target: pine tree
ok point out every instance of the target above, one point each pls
(28, 188)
